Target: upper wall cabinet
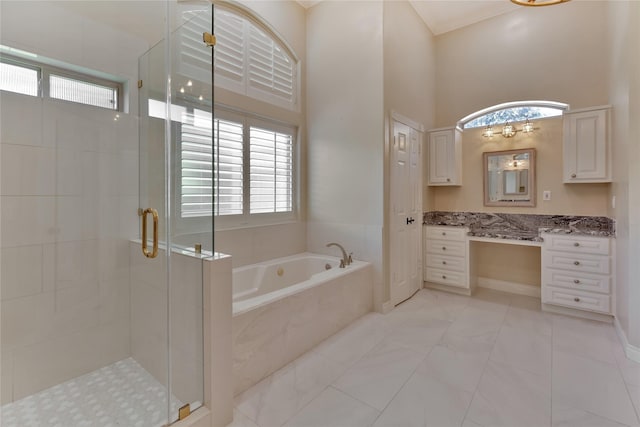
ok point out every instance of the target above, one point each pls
(445, 157)
(586, 146)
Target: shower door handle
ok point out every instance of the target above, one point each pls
(145, 250)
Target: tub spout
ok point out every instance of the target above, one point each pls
(346, 259)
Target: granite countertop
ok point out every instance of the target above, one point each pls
(522, 226)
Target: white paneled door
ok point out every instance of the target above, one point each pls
(406, 212)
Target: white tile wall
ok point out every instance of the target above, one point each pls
(149, 320)
(269, 337)
(66, 217)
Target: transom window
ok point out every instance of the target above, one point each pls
(512, 112)
(33, 78)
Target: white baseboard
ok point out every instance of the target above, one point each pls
(631, 351)
(511, 287)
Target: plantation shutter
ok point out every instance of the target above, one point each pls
(229, 53)
(271, 70)
(229, 167)
(205, 165)
(271, 171)
(195, 56)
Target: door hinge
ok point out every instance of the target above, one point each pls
(209, 39)
(139, 84)
(184, 412)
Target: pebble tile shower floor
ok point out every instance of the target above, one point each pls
(121, 394)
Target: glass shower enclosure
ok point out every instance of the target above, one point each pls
(106, 219)
(176, 192)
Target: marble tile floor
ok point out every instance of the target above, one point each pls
(121, 394)
(443, 360)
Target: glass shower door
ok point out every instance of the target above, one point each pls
(175, 99)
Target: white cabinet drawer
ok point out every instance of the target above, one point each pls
(446, 262)
(577, 244)
(445, 277)
(577, 280)
(446, 233)
(577, 262)
(444, 247)
(576, 299)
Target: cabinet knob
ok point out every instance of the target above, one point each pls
(573, 175)
(444, 248)
(444, 262)
(448, 179)
(444, 277)
(576, 281)
(576, 299)
(444, 233)
(576, 244)
(576, 262)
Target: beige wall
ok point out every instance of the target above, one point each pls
(624, 92)
(345, 114)
(510, 263)
(551, 53)
(409, 80)
(566, 199)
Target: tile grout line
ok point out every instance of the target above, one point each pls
(484, 370)
(404, 383)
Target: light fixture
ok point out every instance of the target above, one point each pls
(538, 2)
(508, 130)
(488, 132)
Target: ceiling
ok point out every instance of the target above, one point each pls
(447, 15)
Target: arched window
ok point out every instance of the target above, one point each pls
(249, 57)
(512, 112)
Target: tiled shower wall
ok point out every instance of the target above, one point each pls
(68, 209)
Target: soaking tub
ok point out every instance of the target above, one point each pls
(286, 306)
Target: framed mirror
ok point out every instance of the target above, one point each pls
(510, 178)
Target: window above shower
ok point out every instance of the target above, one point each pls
(29, 74)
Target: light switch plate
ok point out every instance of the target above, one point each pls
(546, 195)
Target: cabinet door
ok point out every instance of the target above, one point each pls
(586, 149)
(444, 154)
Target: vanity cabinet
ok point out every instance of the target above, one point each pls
(577, 272)
(445, 157)
(586, 146)
(446, 257)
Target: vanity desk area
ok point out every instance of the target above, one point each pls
(576, 257)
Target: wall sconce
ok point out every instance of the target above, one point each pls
(508, 130)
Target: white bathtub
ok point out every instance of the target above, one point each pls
(259, 284)
(286, 306)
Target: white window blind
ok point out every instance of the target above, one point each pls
(271, 70)
(205, 166)
(229, 62)
(229, 170)
(235, 166)
(247, 58)
(83, 92)
(18, 79)
(271, 171)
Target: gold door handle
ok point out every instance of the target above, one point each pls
(145, 249)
